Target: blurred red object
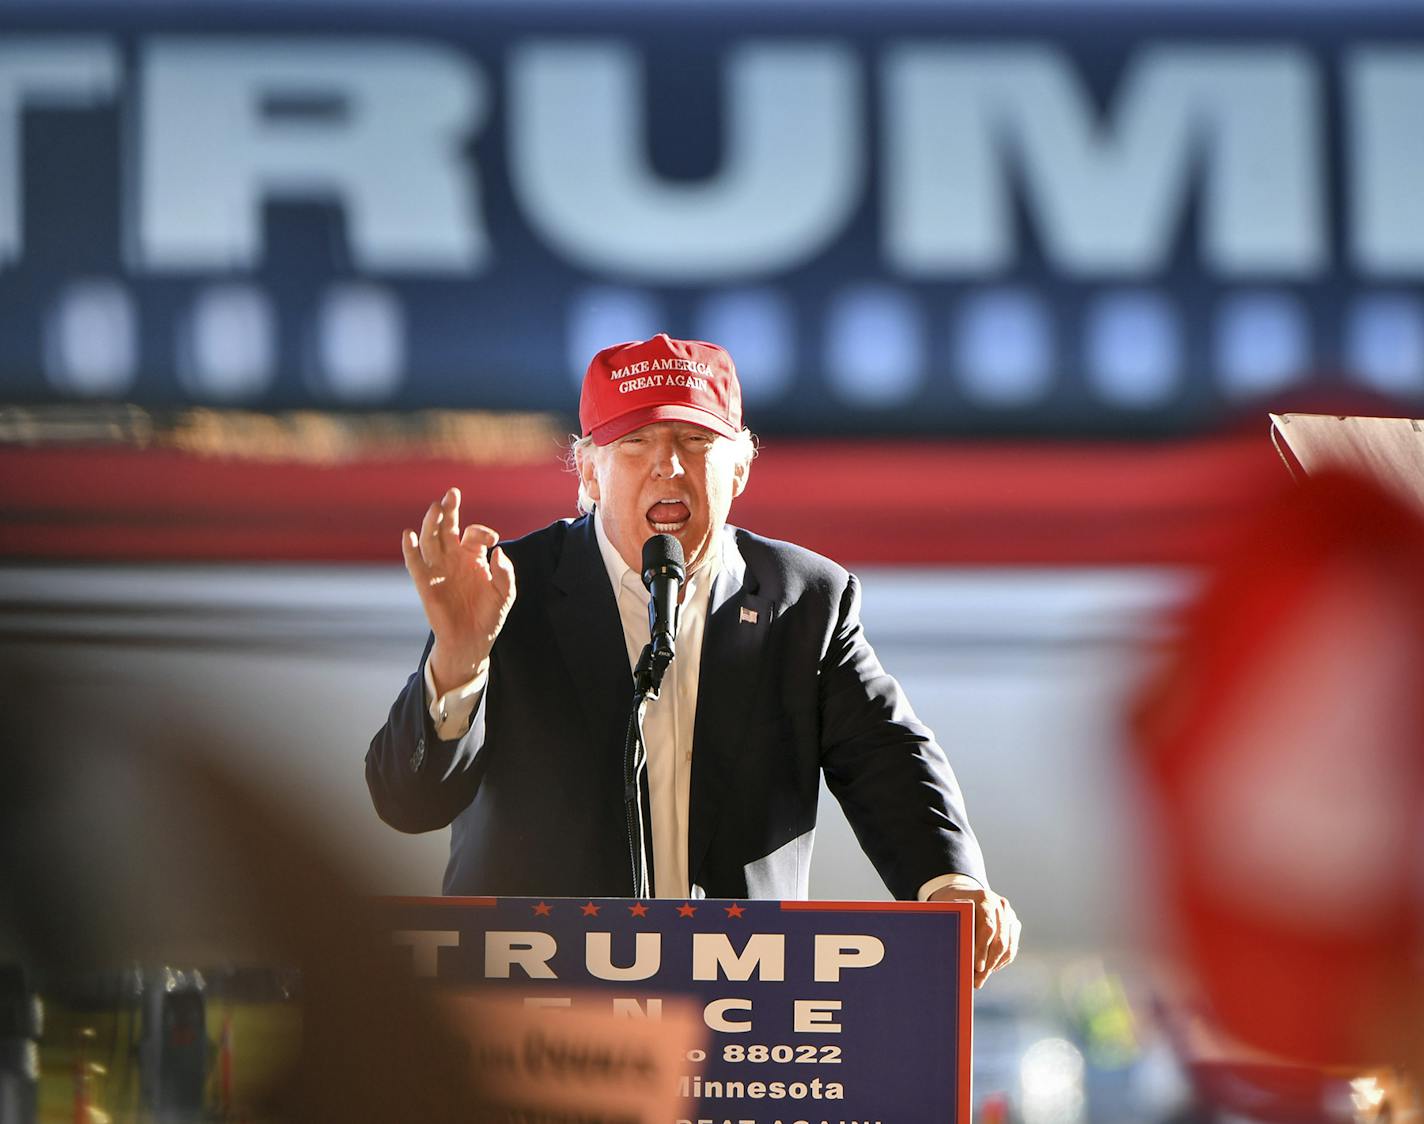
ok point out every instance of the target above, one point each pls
(994, 1109)
(1282, 740)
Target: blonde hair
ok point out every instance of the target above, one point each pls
(745, 442)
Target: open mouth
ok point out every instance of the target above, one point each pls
(668, 517)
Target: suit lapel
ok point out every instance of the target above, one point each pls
(738, 624)
(583, 616)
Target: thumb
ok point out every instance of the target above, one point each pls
(502, 573)
(478, 538)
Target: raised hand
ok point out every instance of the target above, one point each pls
(466, 586)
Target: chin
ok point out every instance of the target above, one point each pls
(694, 551)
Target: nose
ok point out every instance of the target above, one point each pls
(666, 464)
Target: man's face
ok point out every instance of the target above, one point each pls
(666, 478)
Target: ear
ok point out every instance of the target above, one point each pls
(740, 472)
(587, 475)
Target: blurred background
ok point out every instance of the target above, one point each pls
(1011, 288)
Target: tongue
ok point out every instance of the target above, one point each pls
(674, 512)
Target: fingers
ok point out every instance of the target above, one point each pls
(438, 553)
(410, 551)
(430, 551)
(502, 574)
(438, 530)
(490, 558)
(996, 929)
(983, 940)
(424, 575)
(450, 501)
(477, 534)
(999, 949)
(479, 538)
(996, 936)
(1010, 930)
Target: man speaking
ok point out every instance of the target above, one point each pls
(514, 730)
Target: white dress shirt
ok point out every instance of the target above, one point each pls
(667, 723)
(668, 720)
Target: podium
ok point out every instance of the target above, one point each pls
(676, 1012)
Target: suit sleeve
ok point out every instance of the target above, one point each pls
(883, 765)
(418, 781)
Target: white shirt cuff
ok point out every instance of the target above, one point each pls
(949, 882)
(453, 711)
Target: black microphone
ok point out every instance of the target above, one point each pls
(663, 574)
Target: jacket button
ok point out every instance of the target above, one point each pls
(417, 759)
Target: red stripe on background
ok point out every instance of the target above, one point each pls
(889, 502)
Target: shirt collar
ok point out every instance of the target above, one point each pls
(612, 560)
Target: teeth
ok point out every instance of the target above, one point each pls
(662, 527)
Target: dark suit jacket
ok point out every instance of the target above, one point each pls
(538, 808)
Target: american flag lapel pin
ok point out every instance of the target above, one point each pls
(747, 616)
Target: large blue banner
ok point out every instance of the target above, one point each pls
(900, 217)
(815, 1010)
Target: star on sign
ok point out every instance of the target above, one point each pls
(734, 910)
(590, 910)
(686, 910)
(542, 909)
(638, 909)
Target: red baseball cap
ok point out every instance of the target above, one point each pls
(629, 385)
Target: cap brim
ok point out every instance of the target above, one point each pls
(615, 428)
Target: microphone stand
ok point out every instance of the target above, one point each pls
(647, 681)
(663, 575)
